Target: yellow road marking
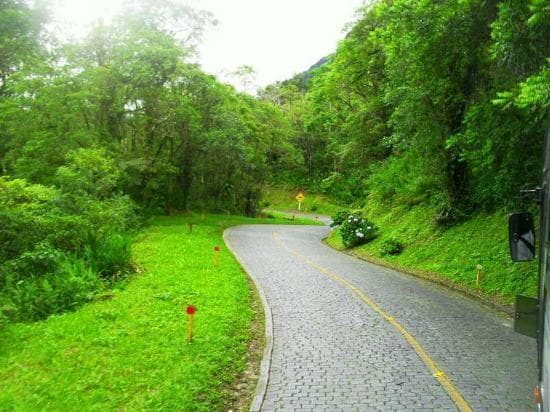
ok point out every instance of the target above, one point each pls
(437, 373)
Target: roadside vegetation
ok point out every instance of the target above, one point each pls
(428, 119)
(99, 134)
(430, 143)
(128, 349)
(283, 199)
(409, 240)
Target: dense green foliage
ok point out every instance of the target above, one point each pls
(430, 116)
(57, 249)
(439, 105)
(434, 103)
(120, 123)
(357, 230)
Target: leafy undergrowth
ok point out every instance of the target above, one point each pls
(128, 351)
(451, 253)
(282, 199)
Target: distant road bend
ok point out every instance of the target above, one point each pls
(350, 335)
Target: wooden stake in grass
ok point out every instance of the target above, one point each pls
(190, 312)
(478, 274)
(190, 227)
(216, 256)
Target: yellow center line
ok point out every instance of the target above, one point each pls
(436, 371)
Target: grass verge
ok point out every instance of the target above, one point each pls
(283, 199)
(129, 350)
(450, 255)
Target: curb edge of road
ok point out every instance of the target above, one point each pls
(448, 284)
(261, 386)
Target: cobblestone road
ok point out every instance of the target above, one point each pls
(332, 351)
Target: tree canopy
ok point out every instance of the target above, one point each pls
(428, 102)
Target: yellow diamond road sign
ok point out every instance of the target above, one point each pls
(300, 197)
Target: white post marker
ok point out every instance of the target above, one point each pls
(300, 198)
(478, 274)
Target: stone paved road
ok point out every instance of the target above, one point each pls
(331, 351)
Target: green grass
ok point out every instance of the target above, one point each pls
(129, 351)
(282, 199)
(291, 217)
(452, 253)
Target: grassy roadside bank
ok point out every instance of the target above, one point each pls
(449, 256)
(129, 350)
(282, 199)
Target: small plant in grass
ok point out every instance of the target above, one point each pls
(314, 207)
(339, 217)
(357, 230)
(391, 246)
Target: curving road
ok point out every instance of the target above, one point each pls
(344, 334)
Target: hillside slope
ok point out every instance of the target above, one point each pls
(449, 255)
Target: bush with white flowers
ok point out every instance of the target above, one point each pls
(356, 230)
(339, 217)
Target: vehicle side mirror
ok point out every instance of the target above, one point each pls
(521, 236)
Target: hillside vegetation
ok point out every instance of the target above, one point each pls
(409, 240)
(425, 106)
(99, 134)
(429, 118)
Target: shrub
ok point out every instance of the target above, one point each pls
(110, 256)
(314, 207)
(356, 230)
(49, 262)
(448, 215)
(391, 246)
(42, 259)
(339, 217)
(35, 297)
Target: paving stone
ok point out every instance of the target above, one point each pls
(332, 351)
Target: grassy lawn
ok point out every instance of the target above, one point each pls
(452, 253)
(128, 351)
(282, 199)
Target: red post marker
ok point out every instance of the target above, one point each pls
(190, 311)
(216, 256)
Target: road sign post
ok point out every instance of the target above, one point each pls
(300, 198)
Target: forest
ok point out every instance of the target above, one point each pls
(440, 105)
